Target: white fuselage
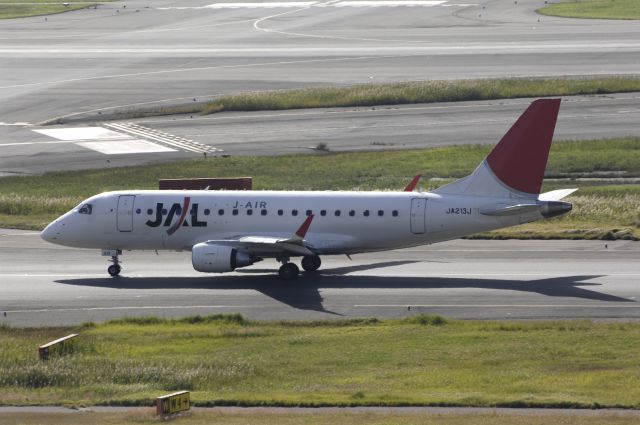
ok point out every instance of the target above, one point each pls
(344, 222)
(226, 230)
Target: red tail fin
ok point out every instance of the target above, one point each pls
(521, 156)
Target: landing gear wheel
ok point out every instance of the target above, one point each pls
(311, 263)
(288, 271)
(114, 270)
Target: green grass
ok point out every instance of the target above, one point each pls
(422, 92)
(33, 201)
(272, 417)
(416, 361)
(594, 9)
(388, 94)
(24, 8)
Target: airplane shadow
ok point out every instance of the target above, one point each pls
(305, 293)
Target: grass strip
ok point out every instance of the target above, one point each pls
(422, 92)
(271, 417)
(419, 360)
(594, 9)
(10, 9)
(603, 210)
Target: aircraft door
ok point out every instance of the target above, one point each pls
(125, 213)
(418, 209)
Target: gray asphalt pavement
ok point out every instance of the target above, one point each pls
(341, 129)
(169, 52)
(43, 284)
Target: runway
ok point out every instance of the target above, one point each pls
(43, 284)
(91, 62)
(300, 131)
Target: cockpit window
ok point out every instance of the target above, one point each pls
(85, 209)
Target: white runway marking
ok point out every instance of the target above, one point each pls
(82, 134)
(162, 137)
(308, 4)
(103, 140)
(128, 146)
(389, 3)
(11, 124)
(124, 138)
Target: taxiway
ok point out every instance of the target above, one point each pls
(43, 284)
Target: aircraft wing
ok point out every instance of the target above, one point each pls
(265, 244)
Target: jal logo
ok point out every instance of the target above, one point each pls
(179, 211)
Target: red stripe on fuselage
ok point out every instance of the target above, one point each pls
(176, 226)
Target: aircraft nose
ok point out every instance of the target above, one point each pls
(52, 232)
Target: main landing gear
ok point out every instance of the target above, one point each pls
(114, 269)
(290, 271)
(311, 263)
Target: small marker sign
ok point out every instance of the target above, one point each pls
(58, 347)
(173, 403)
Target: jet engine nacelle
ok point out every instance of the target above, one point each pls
(210, 258)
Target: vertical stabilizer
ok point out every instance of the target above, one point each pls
(515, 167)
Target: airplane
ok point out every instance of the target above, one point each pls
(227, 230)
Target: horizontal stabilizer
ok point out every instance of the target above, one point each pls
(555, 195)
(503, 210)
(547, 209)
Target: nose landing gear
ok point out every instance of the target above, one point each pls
(288, 271)
(114, 269)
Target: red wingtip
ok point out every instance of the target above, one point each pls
(412, 185)
(302, 231)
(521, 156)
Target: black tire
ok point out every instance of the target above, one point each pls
(311, 263)
(288, 271)
(114, 270)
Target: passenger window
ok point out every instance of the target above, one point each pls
(150, 211)
(337, 213)
(220, 212)
(164, 211)
(249, 212)
(309, 212)
(366, 213)
(280, 212)
(85, 209)
(394, 213)
(263, 212)
(294, 212)
(234, 212)
(352, 213)
(380, 213)
(207, 211)
(323, 212)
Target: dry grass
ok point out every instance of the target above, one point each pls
(421, 92)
